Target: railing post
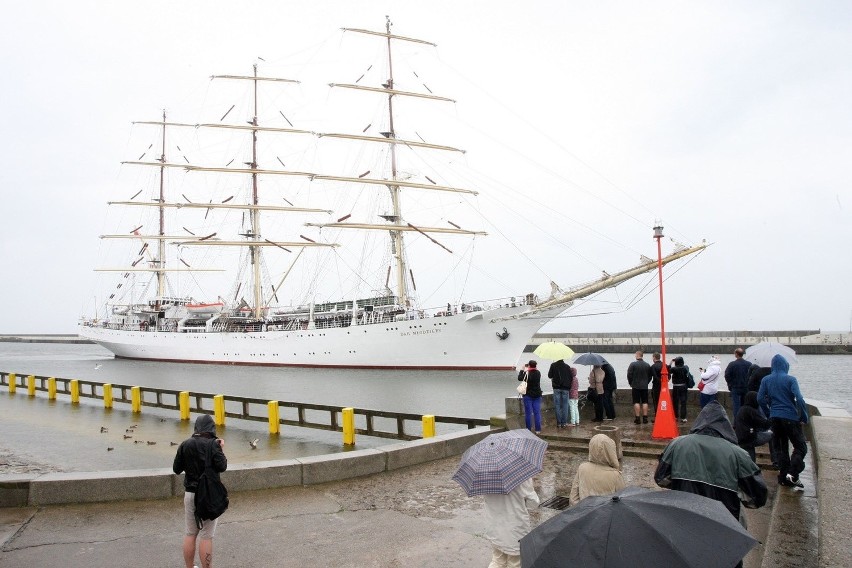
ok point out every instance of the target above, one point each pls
(429, 426)
(31, 385)
(136, 399)
(74, 385)
(183, 402)
(51, 388)
(219, 409)
(13, 383)
(107, 395)
(274, 420)
(348, 426)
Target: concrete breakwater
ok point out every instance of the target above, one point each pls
(805, 342)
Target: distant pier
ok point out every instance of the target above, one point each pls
(805, 342)
(43, 338)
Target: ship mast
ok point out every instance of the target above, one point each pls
(161, 244)
(397, 243)
(254, 214)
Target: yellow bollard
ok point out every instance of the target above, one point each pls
(274, 419)
(183, 402)
(13, 383)
(219, 409)
(31, 385)
(107, 395)
(51, 388)
(428, 425)
(136, 399)
(75, 391)
(348, 426)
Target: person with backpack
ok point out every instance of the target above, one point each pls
(201, 456)
(681, 379)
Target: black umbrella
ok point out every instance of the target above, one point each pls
(589, 359)
(639, 527)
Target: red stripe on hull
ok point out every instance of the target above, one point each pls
(387, 367)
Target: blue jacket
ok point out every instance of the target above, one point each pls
(779, 395)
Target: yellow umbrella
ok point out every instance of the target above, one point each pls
(554, 351)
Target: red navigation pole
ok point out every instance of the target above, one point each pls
(664, 419)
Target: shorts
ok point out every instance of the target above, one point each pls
(208, 528)
(640, 396)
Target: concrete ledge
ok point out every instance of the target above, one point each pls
(261, 475)
(415, 452)
(15, 490)
(93, 487)
(832, 444)
(458, 442)
(334, 467)
(90, 487)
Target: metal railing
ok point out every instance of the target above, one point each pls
(301, 414)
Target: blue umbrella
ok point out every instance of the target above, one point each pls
(500, 462)
(589, 359)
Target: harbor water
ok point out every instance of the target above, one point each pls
(468, 393)
(38, 435)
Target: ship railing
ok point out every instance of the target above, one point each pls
(368, 422)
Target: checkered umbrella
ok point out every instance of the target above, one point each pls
(500, 462)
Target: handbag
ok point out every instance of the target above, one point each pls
(592, 394)
(522, 386)
(690, 380)
(701, 385)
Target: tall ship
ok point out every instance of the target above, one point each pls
(253, 220)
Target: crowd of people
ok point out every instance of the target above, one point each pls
(717, 459)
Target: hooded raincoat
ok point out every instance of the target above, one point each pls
(192, 453)
(779, 395)
(711, 375)
(749, 420)
(508, 518)
(709, 462)
(601, 474)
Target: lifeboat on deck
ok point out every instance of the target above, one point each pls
(210, 308)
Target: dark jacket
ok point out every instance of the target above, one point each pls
(679, 373)
(736, 375)
(192, 453)
(755, 376)
(657, 375)
(559, 375)
(610, 383)
(779, 395)
(749, 420)
(709, 462)
(639, 374)
(533, 382)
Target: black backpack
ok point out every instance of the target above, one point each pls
(211, 496)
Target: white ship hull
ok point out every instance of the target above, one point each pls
(461, 341)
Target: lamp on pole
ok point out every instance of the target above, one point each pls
(664, 424)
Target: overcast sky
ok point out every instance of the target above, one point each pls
(729, 121)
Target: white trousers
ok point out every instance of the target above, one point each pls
(500, 559)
